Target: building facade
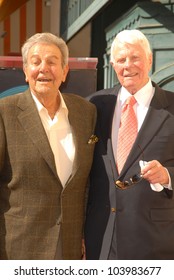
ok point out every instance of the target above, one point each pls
(89, 26)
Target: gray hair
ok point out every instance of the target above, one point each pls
(49, 39)
(133, 36)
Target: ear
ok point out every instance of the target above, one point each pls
(150, 61)
(65, 72)
(25, 72)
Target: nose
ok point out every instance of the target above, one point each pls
(43, 66)
(128, 62)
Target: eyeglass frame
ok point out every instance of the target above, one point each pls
(135, 179)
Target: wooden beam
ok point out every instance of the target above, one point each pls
(7, 7)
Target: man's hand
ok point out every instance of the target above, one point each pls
(154, 172)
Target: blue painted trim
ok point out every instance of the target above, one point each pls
(13, 90)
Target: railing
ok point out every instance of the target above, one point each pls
(81, 78)
(73, 62)
(76, 8)
(76, 13)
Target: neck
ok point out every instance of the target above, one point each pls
(51, 104)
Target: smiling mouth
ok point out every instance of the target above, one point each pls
(44, 80)
(130, 75)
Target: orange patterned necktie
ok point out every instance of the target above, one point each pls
(127, 132)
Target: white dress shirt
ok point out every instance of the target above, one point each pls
(143, 98)
(60, 137)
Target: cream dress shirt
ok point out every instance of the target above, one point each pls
(60, 137)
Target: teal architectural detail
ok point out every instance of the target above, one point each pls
(156, 21)
(79, 12)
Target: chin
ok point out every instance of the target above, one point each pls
(44, 89)
(131, 88)
(129, 84)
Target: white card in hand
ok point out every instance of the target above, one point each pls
(155, 187)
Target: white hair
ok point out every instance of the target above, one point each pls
(133, 36)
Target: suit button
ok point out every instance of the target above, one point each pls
(58, 222)
(113, 210)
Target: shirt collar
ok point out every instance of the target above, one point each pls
(143, 96)
(62, 106)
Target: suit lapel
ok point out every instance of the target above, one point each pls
(155, 117)
(109, 102)
(30, 120)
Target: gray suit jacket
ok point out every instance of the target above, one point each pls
(33, 203)
(138, 222)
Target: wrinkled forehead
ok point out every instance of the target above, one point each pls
(129, 49)
(43, 48)
(44, 52)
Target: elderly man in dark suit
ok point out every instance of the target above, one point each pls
(46, 150)
(130, 211)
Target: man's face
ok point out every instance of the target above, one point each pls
(44, 71)
(132, 66)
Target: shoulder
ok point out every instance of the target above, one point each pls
(13, 99)
(163, 93)
(161, 90)
(104, 94)
(12, 104)
(162, 98)
(8, 104)
(77, 100)
(9, 99)
(81, 109)
(105, 97)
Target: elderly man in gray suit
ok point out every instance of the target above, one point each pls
(46, 151)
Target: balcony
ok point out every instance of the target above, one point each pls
(76, 13)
